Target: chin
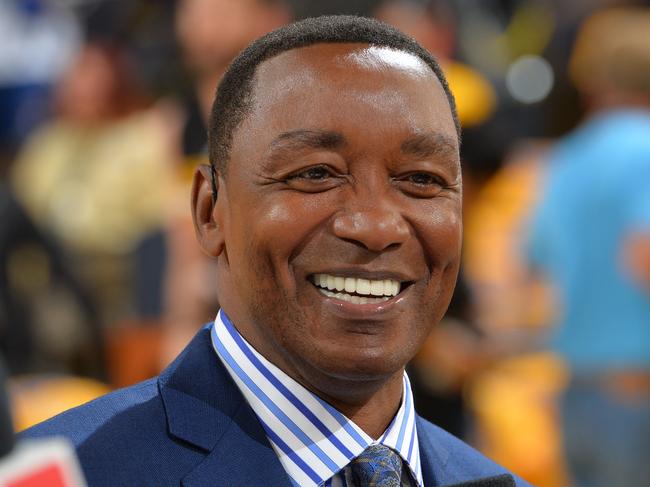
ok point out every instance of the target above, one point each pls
(361, 363)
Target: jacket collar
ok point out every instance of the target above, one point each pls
(433, 455)
(205, 409)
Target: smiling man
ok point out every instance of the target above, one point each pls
(333, 208)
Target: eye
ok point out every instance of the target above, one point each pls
(421, 184)
(423, 179)
(317, 173)
(314, 179)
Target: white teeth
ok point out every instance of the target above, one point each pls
(353, 299)
(339, 283)
(350, 284)
(377, 288)
(367, 287)
(391, 287)
(330, 282)
(363, 286)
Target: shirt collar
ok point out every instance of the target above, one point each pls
(312, 439)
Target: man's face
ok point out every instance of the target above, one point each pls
(212, 32)
(340, 213)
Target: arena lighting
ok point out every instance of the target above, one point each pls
(529, 79)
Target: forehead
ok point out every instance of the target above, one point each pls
(348, 67)
(342, 87)
(355, 56)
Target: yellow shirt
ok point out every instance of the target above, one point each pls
(96, 189)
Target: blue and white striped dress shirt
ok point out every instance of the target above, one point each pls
(314, 441)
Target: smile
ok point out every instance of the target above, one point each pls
(356, 290)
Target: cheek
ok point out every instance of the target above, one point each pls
(441, 236)
(274, 232)
(278, 213)
(440, 230)
(257, 224)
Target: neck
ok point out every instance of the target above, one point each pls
(370, 403)
(372, 412)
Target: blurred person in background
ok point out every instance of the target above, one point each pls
(80, 176)
(210, 34)
(38, 40)
(590, 236)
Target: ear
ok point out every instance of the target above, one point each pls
(206, 211)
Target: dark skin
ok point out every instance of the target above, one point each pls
(346, 165)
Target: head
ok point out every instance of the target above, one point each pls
(431, 23)
(212, 32)
(610, 63)
(100, 85)
(337, 222)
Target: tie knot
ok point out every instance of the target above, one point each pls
(377, 466)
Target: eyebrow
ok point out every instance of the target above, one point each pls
(422, 145)
(429, 144)
(307, 139)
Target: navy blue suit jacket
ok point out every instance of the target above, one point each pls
(191, 426)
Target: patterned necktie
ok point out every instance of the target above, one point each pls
(377, 466)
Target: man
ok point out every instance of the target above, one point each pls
(591, 236)
(333, 209)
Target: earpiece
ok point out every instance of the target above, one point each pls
(213, 179)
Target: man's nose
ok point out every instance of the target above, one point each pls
(376, 225)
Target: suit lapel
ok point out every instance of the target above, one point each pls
(242, 457)
(433, 456)
(205, 409)
(436, 469)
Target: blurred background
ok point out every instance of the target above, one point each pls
(543, 361)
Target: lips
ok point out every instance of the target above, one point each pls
(356, 290)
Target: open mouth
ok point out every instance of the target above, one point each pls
(357, 290)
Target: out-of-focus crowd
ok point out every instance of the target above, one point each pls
(543, 360)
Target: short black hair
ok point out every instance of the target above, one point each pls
(234, 93)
